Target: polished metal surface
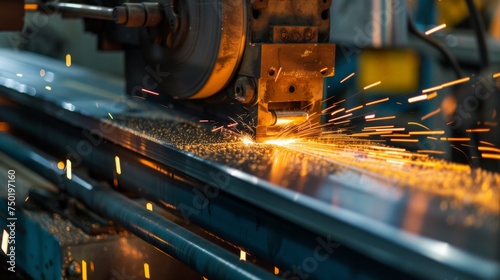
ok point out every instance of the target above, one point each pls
(401, 221)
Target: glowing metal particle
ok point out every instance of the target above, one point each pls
(146, 271)
(431, 114)
(431, 95)
(342, 122)
(371, 116)
(431, 152)
(417, 98)
(381, 119)
(435, 132)
(19, 75)
(48, 88)
(491, 156)
(149, 91)
(342, 117)
(337, 111)
(435, 29)
(348, 77)
(377, 101)
(5, 240)
(68, 169)
(109, 114)
(432, 89)
(31, 7)
(377, 127)
(488, 149)
(487, 143)
(372, 85)
(454, 139)
(117, 165)
(277, 75)
(149, 206)
(84, 270)
(243, 255)
(496, 75)
(60, 165)
(217, 128)
(68, 60)
(419, 124)
(477, 130)
(354, 109)
(456, 82)
(405, 140)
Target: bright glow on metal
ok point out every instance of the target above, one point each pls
(146, 271)
(435, 29)
(68, 60)
(68, 169)
(372, 85)
(117, 165)
(347, 78)
(84, 270)
(243, 255)
(5, 240)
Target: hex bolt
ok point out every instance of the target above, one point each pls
(244, 90)
(284, 34)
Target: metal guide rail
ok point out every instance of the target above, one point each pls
(252, 194)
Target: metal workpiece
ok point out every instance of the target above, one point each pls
(205, 257)
(431, 221)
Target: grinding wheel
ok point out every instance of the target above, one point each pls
(209, 53)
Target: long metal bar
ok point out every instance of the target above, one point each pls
(187, 247)
(86, 11)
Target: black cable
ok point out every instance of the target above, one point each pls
(436, 44)
(478, 25)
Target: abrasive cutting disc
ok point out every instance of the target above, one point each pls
(210, 52)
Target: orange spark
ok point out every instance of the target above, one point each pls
(342, 117)
(431, 114)
(417, 98)
(456, 82)
(436, 132)
(488, 149)
(405, 140)
(454, 139)
(377, 101)
(354, 109)
(347, 78)
(337, 111)
(431, 152)
(432, 89)
(381, 119)
(435, 29)
(432, 95)
(377, 127)
(477, 130)
(149, 91)
(372, 85)
(487, 143)
(491, 156)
